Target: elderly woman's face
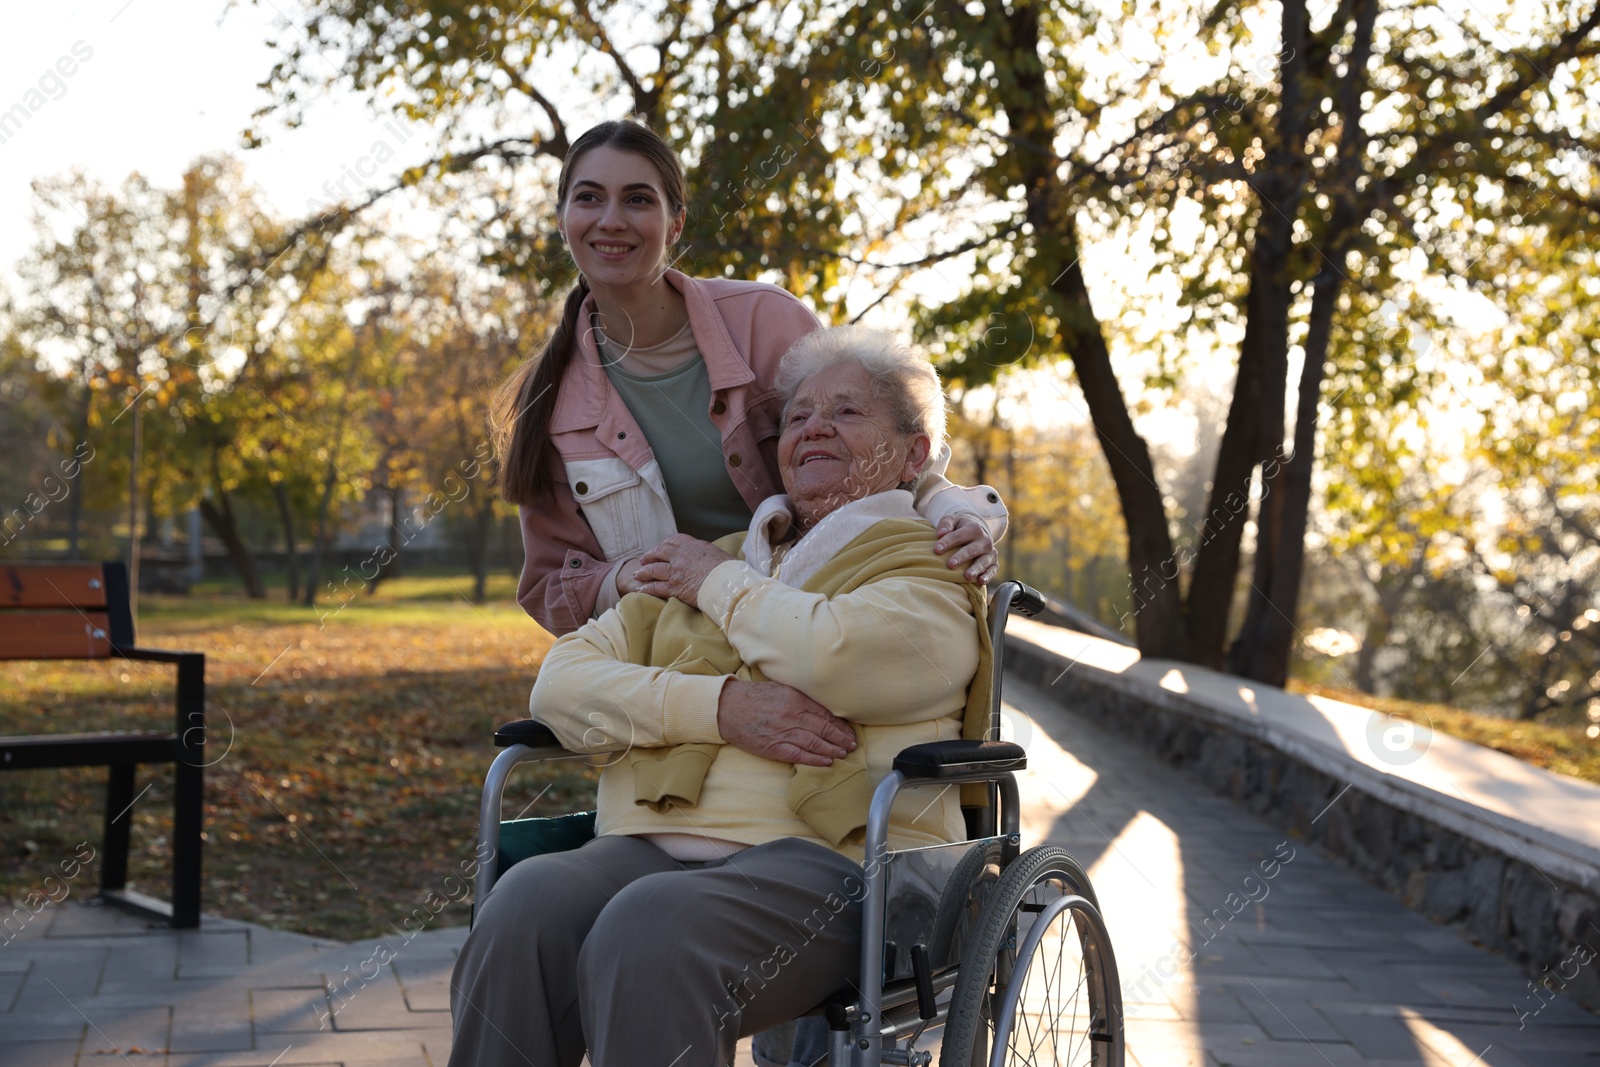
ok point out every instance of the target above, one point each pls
(840, 443)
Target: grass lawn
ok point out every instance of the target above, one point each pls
(1563, 749)
(347, 754)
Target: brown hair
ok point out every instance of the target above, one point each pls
(520, 413)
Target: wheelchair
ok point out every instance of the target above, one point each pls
(1002, 949)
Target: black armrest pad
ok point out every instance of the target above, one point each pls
(530, 732)
(949, 759)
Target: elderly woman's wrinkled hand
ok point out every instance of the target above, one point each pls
(968, 542)
(777, 722)
(677, 567)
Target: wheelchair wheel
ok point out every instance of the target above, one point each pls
(1038, 983)
(967, 891)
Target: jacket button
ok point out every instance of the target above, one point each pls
(575, 563)
(621, 434)
(734, 460)
(583, 487)
(718, 408)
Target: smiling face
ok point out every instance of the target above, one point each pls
(840, 443)
(617, 219)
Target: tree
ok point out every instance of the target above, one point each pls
(1543, 441)
(148, 301)
(1064, 537)
(93, 305)
(1279, 169)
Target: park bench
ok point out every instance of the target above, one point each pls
(82, 611)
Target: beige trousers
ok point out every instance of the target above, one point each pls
(646, 961)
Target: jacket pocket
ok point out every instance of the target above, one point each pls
(608, 491)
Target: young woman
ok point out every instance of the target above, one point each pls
(652, 409)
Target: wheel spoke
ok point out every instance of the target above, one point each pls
(1048, 978)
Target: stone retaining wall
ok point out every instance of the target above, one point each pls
(1498, 899)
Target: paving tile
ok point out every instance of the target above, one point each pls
(1161, 1044)
(53, 984)
(128, 970)
(16, 1028)
(90, 917)
(268, 946)
(131, 1028)
(1284, 1015)
(1217, 1004)
(198, 1032)
(287, 1011)
(39, 1053)
(279, 1054)
(1376, 1037)
(1292, 960)
(207, 954)
(426, 984)
(402, 1049)
(376, 1005)
(1277, 1054)
(10, 986)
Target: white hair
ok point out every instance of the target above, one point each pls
(909, 382)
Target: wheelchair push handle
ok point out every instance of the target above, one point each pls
(1026, 600)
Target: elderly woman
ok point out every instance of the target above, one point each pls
(721, 895)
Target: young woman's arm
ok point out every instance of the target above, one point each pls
(563, 571)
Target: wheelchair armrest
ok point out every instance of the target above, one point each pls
(530, 732)
(954, 759)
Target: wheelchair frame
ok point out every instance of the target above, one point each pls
(859, 1030)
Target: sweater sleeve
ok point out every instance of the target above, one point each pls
(886, 653)
(595, 700)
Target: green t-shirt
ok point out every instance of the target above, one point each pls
(673, 410)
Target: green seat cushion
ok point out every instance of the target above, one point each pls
(522, 838)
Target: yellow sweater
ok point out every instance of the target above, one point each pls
(881, 632)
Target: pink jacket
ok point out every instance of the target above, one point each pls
(610, 500)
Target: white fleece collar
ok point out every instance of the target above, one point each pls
(774, 519)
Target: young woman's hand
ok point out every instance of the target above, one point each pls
(969, 544)
(677, 567)
(628, 577)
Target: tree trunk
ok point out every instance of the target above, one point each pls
(1264, 356)
(223, 525)
(291, 555)
(1156, 609)
(482, 527)
(75, 504)
(1267, 638)
(390, 568)
(319, 541)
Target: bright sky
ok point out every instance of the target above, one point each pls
(164, 81)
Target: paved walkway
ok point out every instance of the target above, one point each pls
(1297, 962)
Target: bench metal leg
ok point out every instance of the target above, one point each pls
(187, 817)
(119, 822)
(188, 794)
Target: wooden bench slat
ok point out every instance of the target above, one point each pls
(54, 635)
(52, 585)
